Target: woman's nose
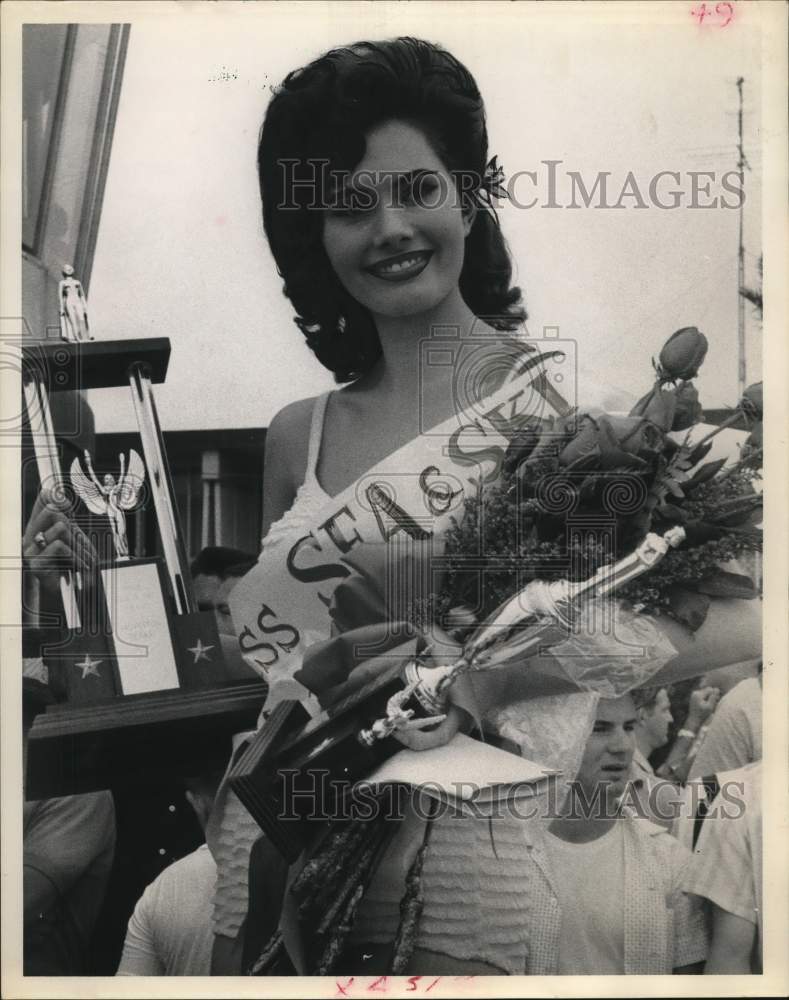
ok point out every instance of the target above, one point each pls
(392, 224)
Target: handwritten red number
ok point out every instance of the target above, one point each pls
(412, 981)
(700, 12)
(430, 987)
(378, 989)
(725, 9)
(343, 992)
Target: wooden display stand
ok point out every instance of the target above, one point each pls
(148, 694)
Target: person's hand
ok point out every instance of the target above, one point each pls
(53, 543)
(702, 704)
(416, 738)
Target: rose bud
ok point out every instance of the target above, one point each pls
(682, 354)
(751, 401)
(688, 411)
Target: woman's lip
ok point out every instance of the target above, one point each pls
(381, 270)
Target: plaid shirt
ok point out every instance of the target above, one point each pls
(505, 911)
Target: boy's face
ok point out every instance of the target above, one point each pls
(656, 719)
(609, 749)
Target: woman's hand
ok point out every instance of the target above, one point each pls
(53, 544)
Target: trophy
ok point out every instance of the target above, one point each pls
(110, 497)
(145, 684)
(73, 308)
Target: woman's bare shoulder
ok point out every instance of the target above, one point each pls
(287, 448)
(294, 417)
(287, 437)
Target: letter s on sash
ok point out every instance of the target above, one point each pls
(285, 644)
(313, 574)
(495, 453)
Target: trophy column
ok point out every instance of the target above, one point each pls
(49, 473)
(161, 488)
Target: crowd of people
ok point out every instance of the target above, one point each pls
(649, 860)
(685, 834)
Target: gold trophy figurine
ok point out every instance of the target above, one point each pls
(73, 308)
(110, 497)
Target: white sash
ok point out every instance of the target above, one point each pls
(280, 606)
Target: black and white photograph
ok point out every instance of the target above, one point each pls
(394, 498)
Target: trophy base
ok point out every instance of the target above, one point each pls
(293, 775)
(137, 739)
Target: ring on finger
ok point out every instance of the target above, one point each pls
(40, 539)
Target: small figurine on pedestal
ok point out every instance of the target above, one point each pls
(73, 308)
(109, 497)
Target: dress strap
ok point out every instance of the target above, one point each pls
(316, 434)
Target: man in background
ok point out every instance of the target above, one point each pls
(215, 571)
(654, 793)
(69, 843)
(727, 872)
(170, 932)
(734, 737)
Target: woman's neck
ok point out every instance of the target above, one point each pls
(404, 363)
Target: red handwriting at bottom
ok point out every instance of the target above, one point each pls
(358, 986)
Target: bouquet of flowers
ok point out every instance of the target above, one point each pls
(582, 490)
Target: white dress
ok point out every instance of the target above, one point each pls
(232, 831)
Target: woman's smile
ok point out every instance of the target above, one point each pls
(402, 266)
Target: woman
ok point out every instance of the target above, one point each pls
(377, 204)
(359, 162)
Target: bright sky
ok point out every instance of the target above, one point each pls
(181, 250)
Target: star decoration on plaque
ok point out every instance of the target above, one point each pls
(200, 651)
(89, 666)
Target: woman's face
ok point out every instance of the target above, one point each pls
(396, 238)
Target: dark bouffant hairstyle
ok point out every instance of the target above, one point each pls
(322, 113)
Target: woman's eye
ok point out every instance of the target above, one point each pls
(352, 203)
(422, 190)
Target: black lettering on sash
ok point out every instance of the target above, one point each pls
(381, 503)
(334, 531)
(494, 453)
(508, 426)
(253, 647)
(439, 496)
(286, 645)
(313, 574)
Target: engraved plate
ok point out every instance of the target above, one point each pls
(141, 632)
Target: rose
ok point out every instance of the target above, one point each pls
(688, 407)
(751, 402)
(658, 406)
(755, 440)
(612, 443)
(682, 354)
